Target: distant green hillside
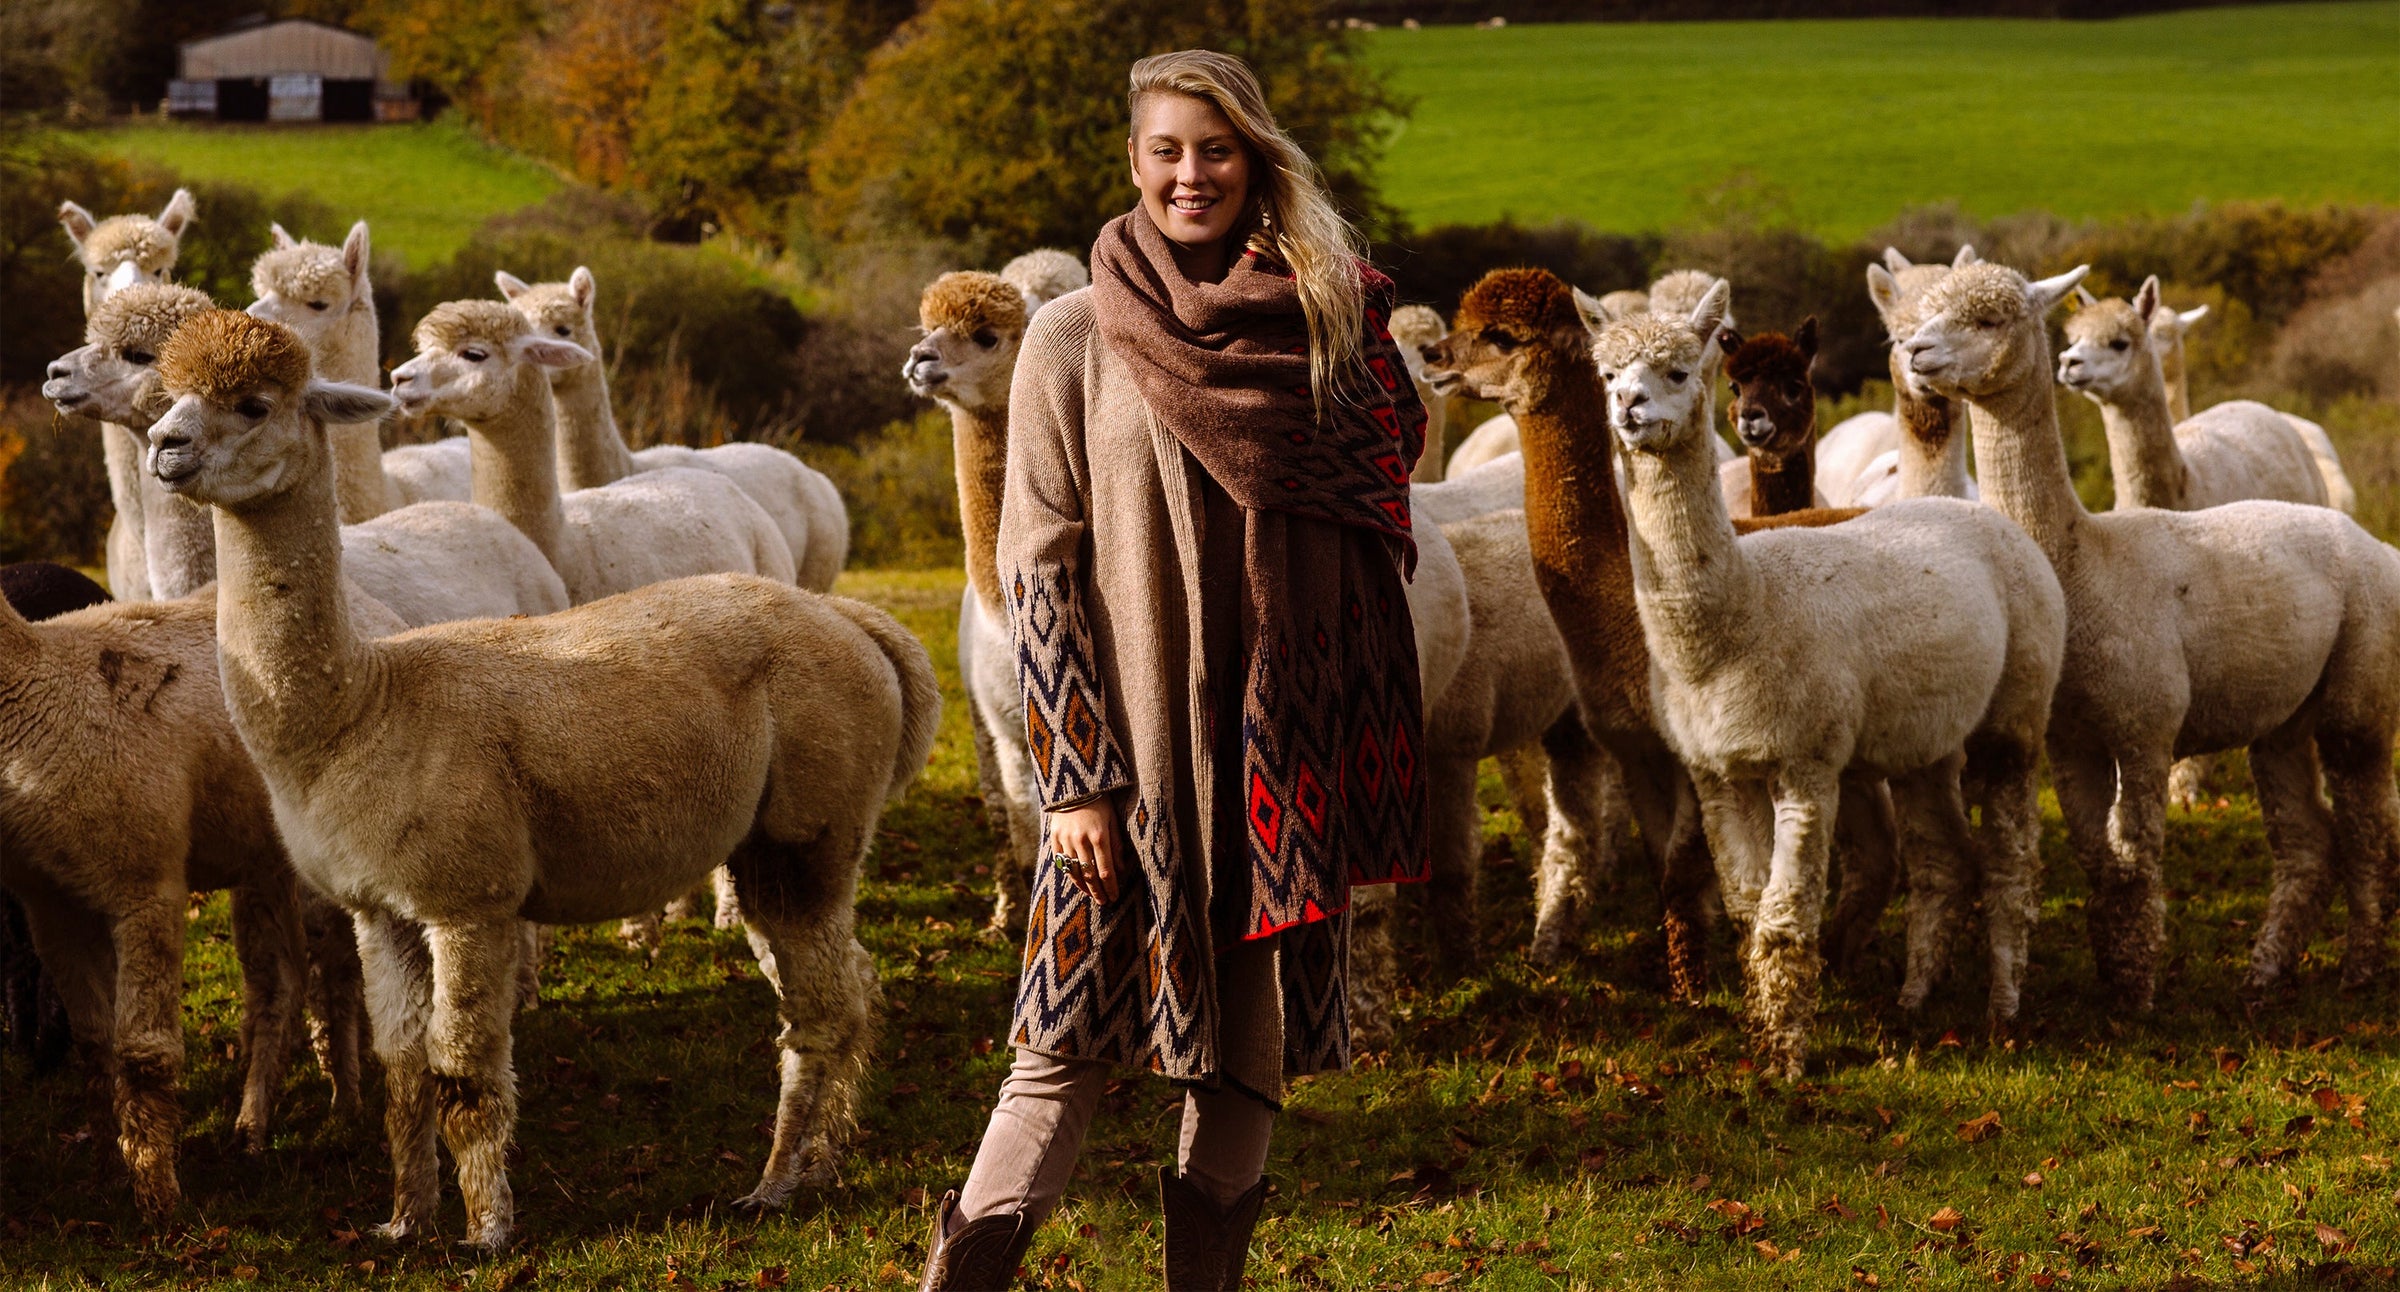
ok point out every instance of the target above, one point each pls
(424, 187)
(1619, 124)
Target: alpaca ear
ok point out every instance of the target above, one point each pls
(1894, 261)
(338, 403)
(76, 221)
(1966, 256)
(354, 252)
(2082, 299)
(179, 213)
(283, 241)
(511, 286)
(2045, 294)
(583, 287)
(1807, 336)
(2193, 315)
(2145, 301)
(1588, 306)
(546, 352)
(1713, 311)
(1883, 289)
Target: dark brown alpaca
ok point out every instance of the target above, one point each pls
(1517, 339)
(1774, 414)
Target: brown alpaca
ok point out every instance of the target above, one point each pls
(1774, 415)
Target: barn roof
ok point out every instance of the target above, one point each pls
(296, 45)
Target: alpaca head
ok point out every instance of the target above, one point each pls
(1414, 327)
(1659, 372)
(1044, 275)
(472, 357)
(1515, 334)
(2168, 325)
(1897, 286)
(559, 311)
(1678, 293)
(1982, 330)
(114, 376)
(310, 287)
(1600, 311)
(2108, 352)
(126, 249)
(248, 417)
(1774, 405)
(973, 323)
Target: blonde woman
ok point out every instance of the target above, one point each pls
(1203, 543)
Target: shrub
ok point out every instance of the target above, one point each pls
(1437, 266)
(53, 488)
(901, 485)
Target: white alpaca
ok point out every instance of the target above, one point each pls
(1905, 645)
(1497, 485)
(119, 252)
(450, 783)
(1919, 449)
(1045, 274)
(1414, 327)
(2262, 624)
(806, 508)
(2168, 327)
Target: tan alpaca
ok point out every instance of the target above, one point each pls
(1414, 327)
(2168, 327)
(806, 508)
(450, 782)
(1905, 645)
(1919, 449)
(119, 252)
(2269, 625)
(123, 787)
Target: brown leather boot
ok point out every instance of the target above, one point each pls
(1207, 1245)
(978, 1256)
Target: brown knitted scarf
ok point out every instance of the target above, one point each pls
(1332, 791)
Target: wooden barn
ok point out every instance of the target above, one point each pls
(295, 70)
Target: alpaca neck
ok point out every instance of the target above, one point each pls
(591, 452)
(1933, 440)
(179, 543)
(1429, 468)
(2142, 453)
(2179, 392)
(1783, 482)
(1698, 594)
(2023, 459)
(1575, 524)
(979, 442)
(292, 666)
(514, 455)
(347, 352)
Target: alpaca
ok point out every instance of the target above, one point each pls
(124, 787)
(449, 783)
(428, 563)
(2168, 327)
(324, 294)
(806, 508)
(119, 252)
(2269, 625)
(1415, 327)
(1862, 460)
(1615, 307)
(1675, 294)
(1774, 415)
(1492, 439)
(1045, 274)
(1906, 644)
(1497, 485)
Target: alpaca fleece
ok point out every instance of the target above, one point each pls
(222, 355)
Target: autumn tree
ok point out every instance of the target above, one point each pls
(1003, 121)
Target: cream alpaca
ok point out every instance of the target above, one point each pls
(119, 252)
(1892, 646)
(806, 508)
(2261, 624)
(2168, 327)
(1413, 328)
(448, 783)
(1045, 274)
(123, 787)
(1919, 449)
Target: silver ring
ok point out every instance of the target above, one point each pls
(1073, 864)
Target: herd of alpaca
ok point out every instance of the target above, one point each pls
(410, 704)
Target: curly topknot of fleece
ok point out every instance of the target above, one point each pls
(222, 355)
(1908, 306)
(970, 300)
(1976, 291)
(306, 271)
(452, 324)
(1046, 274)
(1533, 298)
(1768, 352)
(2109, 320)
(144, 315)
(137, 238)
(1663, 342)
(1680, 293)
(1416, 326)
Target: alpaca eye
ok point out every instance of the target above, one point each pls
(318, 306)
(2120, 345)
(473, 355)
(252, 408)
(141, 357)
(987, 338)
(1502, 341)
(1987, 323)
(561, 329)
(1677, 375)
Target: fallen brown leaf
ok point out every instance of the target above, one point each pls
(1945, 1220)
(1977, 1130)
(2334, 1240)
(772, 1276)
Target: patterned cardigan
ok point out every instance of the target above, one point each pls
(1100, 540)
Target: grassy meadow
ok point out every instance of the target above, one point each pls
(1619, 124)
(1531, 1130)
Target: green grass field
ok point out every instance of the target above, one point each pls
(426, 187)
(1533, 1130)
(1618, 124)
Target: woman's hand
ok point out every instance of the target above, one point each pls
(1083, 842)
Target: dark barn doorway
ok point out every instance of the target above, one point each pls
(241, 99)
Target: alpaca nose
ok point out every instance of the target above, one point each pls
(58, 370)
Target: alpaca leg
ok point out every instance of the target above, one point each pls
(2009, 846)
(2300, 836)
(1524, 774)
(1663, 803)
(1374, 964)
(1866, 838)
(801, 904)
(643, 932)
(1012, 871)
(729, 903)
(2137, 840)
(1781, 950)
(149, 1050)
(398, 969)
(269, 942)
(78, 952)
(467, 1044)
(2086, 780)
(2366, 843)
(1941, 872)
(1456, 825)
(1579, 847)
(2188, 781)
(529, 968)
(336, 998)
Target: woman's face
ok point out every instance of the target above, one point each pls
(1192, 167)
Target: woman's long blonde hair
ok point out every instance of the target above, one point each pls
(1297, 218)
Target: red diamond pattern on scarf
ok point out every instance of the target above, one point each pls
(1266, 815)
